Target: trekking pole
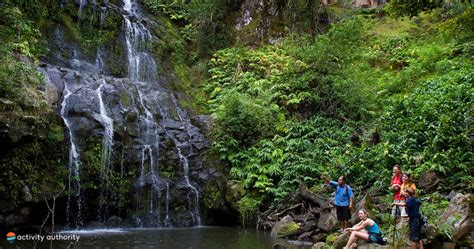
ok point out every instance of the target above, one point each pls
(395, 224)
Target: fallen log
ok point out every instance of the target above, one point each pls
(311, 197)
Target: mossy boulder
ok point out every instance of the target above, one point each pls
(338, 241)
(234, 192)
(285, 228)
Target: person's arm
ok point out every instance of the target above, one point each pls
(325, 178)
(350, 229)
(359, 226)
(351, 197)
(328, 181)
(398, 204)
(396, 183)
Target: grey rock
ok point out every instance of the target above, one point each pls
(341, 241)
(460, 216)
(15, 219)
(319, 237)
(328, 221)
(25, 211)
(26, 194)
(362, 204)
(280, 229)
(114, 221)
(319, 245)
(428, 181)
(278, 246)
(6, 206)
(305, 236)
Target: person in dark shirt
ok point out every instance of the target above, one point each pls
(413, 210)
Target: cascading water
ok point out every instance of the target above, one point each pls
(107, 147)
(108, 140)
(74, 181)
(142, 71)
(150, 155)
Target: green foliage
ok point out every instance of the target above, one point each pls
(248, 209)
(31, 131)
(19, 32)
(412, 8)
(235, 117)
(355, 101)
(288, 229)
(275, 165)
(212, 197)
(331, 238)
(200, 23)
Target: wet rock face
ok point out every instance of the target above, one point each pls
(133, 133)
(134, 152)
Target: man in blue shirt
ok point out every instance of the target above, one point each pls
(342, 199)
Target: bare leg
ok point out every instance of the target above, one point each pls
(345, 224)
(413, 245)
(355, 235)
(421, 244)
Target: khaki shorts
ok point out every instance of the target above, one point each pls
(401, 209)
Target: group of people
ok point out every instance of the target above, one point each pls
(404, 205)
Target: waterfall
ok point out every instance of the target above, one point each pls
(107, 148)
(82, 3)
(73, 210)
(107, 141)
(134, 115)
(142, 71)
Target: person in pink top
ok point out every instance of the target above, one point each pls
(396, 186)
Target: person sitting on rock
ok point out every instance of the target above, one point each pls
(413, 209)
(366, 229)
(342, 200)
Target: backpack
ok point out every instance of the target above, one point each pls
(381, 239)
(423, 223)
(422, 218)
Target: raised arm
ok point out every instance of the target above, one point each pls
(325, 178)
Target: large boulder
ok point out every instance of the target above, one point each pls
(328, 221)
(309, 225)
(428, 181)
(319, 245)
(340, 241)
(286, 227)
(234, 192)
(319, 237)
(459, 215)
(365, 203)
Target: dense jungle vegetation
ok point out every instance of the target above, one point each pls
(375, 90)
(354, 95)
